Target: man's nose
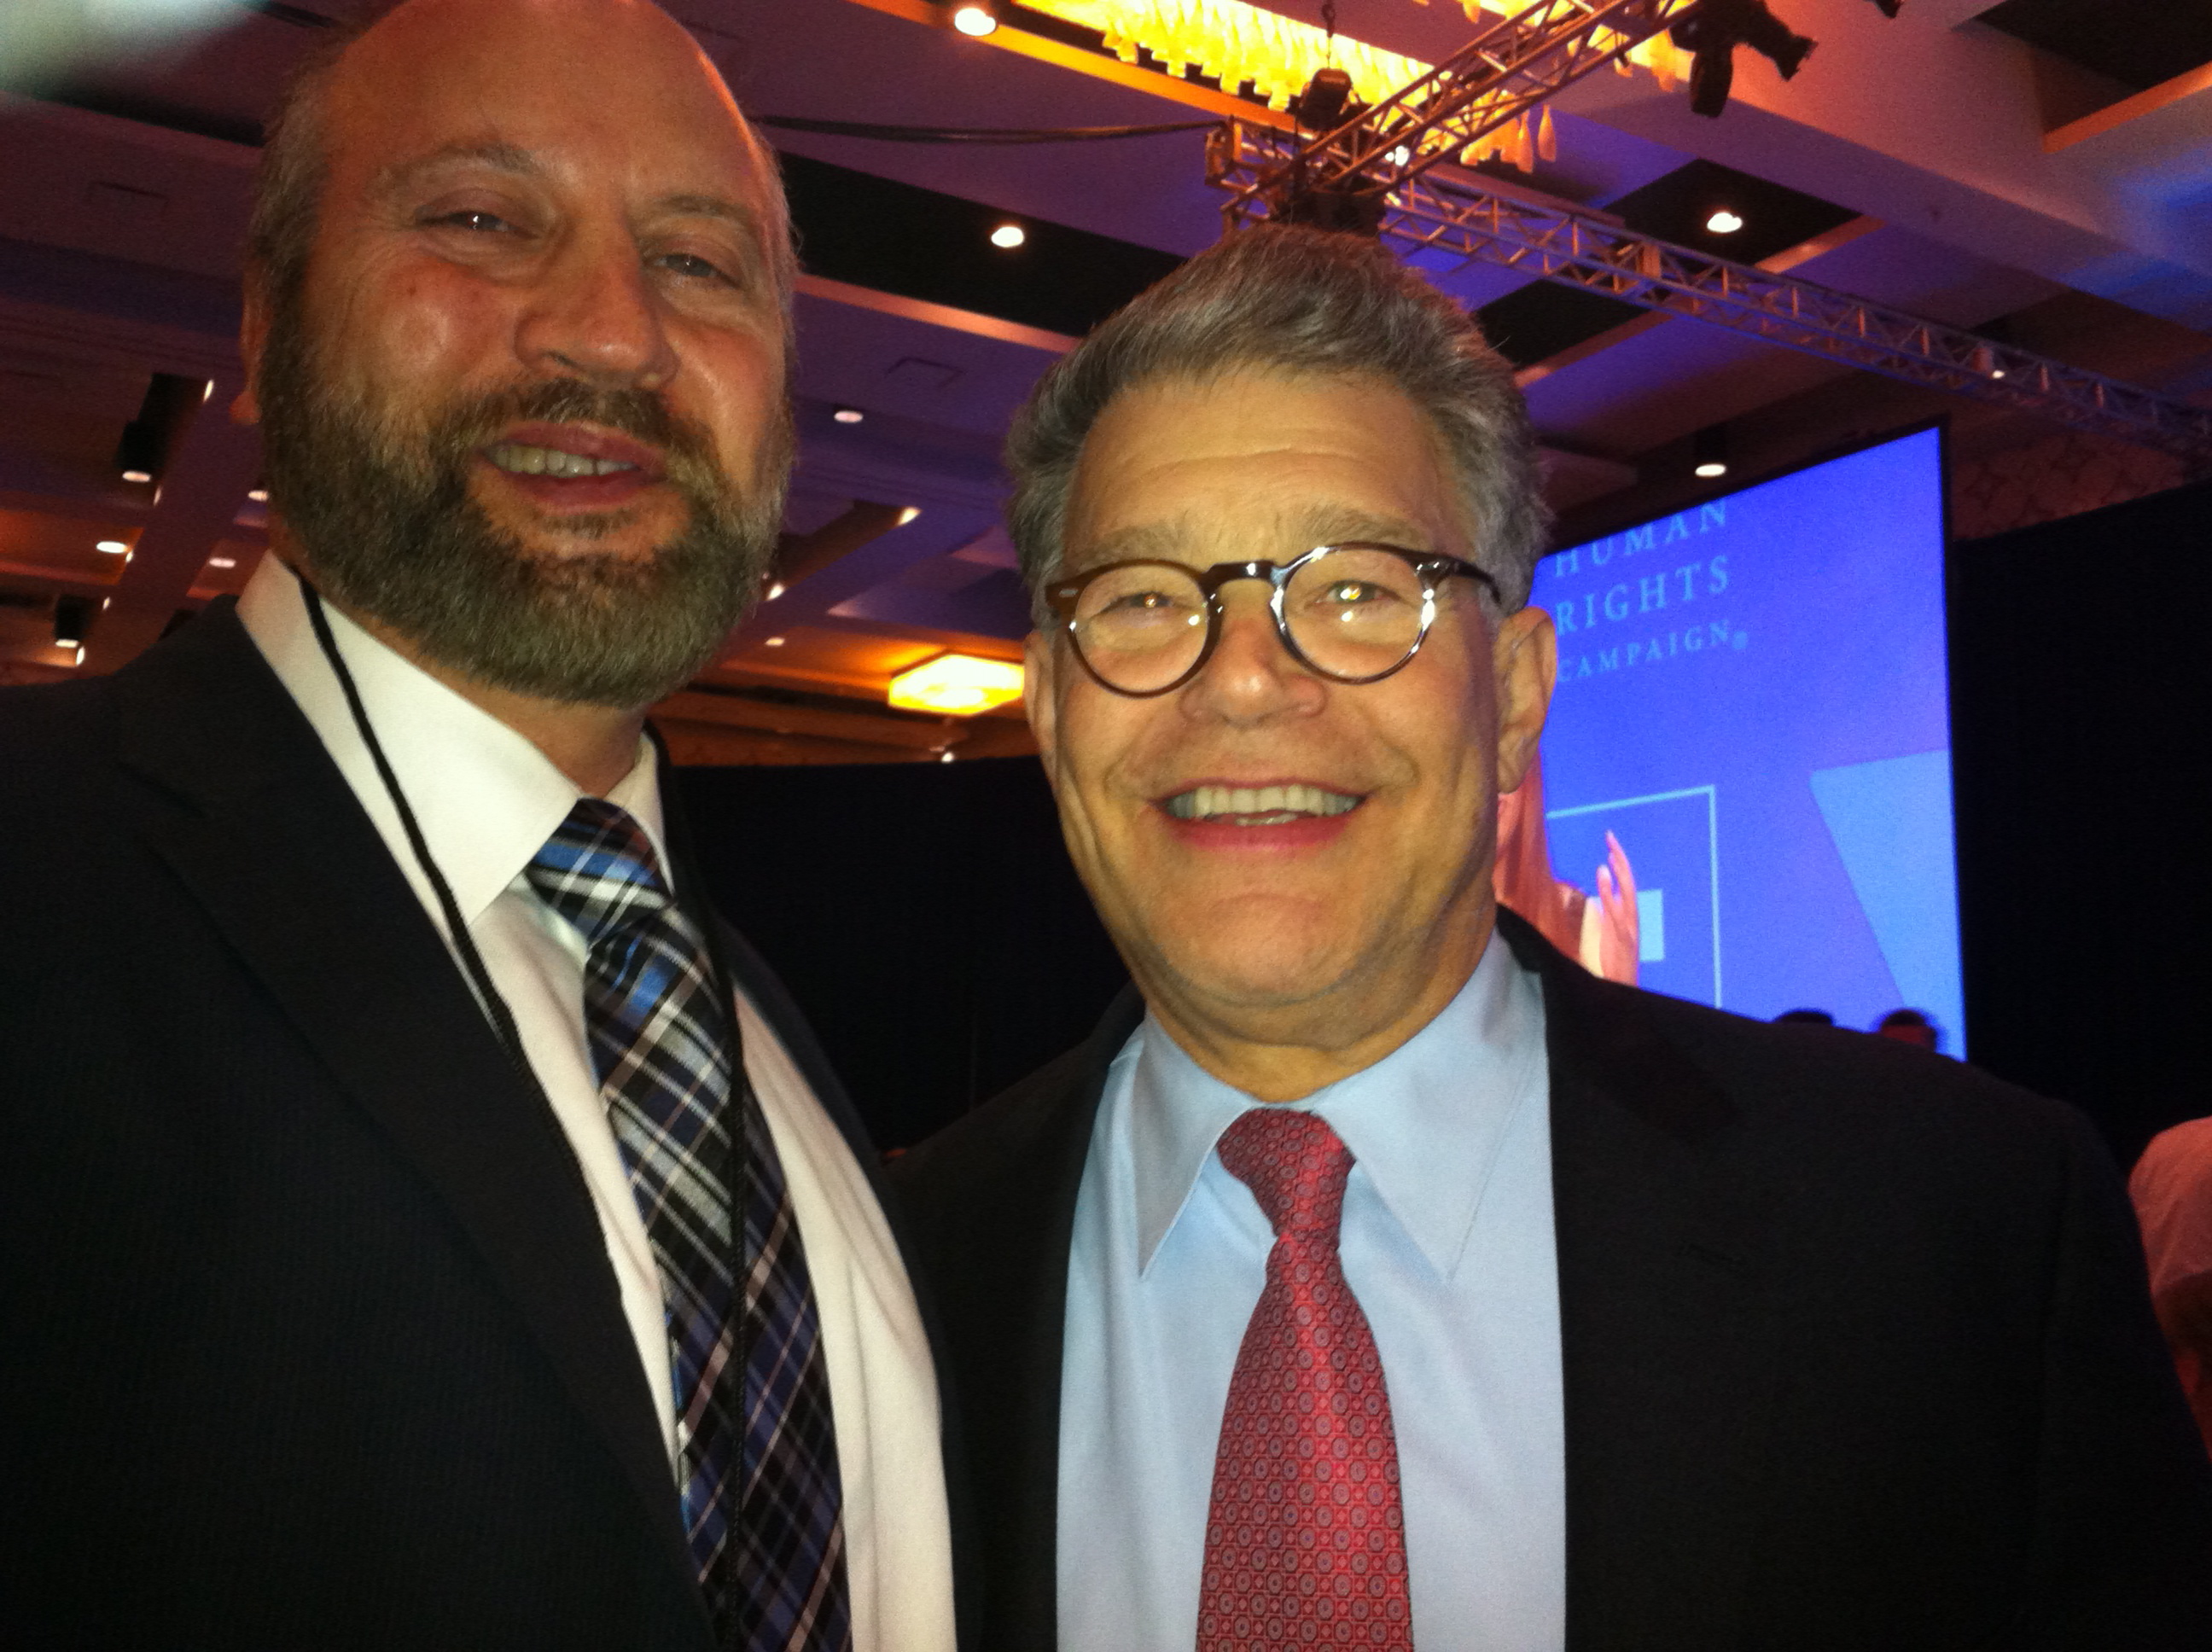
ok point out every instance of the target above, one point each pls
(1252, 675)
(596, 315)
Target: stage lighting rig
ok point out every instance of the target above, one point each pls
(1710, 35)
(1349, 203)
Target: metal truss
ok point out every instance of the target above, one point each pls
(1515, 66)
(1390, 151)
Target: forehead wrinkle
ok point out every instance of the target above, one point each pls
(1296, 531)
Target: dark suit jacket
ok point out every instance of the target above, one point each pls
(308, 1337)
(1857, 1353)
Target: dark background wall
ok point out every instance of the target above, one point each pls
(925, 916)
(927, 919)
(2079, 653)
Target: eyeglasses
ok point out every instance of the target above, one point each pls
(1352, 613)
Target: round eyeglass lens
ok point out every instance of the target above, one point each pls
(1141, 626)
(1354, 613)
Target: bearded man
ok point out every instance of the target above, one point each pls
(424, 1225)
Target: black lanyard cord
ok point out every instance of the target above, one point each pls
(502, 1018)
(742, 1170)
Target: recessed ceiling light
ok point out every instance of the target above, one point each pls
(775, 642)
(1709, 452)
(259, 495)
(137, 476)
(222, 562)
(848, 416)
(775, 591)
(962, 684)
(1009, 236)
(113, 547)
(978, 20)
(908, 515)
(1724, 223)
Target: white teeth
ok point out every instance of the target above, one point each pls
(550, 461)
(1258, 805)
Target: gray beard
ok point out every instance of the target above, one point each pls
(384, 522)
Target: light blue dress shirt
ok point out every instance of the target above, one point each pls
(1446, 1241)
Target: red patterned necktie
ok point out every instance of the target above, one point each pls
(1305, 1542)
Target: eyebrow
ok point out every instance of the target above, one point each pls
(502, 157)
(710, 206)
(519, 162)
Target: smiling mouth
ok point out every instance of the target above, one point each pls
(1261, 806)
(516, 459)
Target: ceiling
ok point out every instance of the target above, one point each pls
(2000, 168)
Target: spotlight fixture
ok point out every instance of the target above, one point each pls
(961, 684)
(113, 547)
(775, 591)
(944, 756)
(1322, 105)
(222, 562)
(1986, 363)
(169, 402)
(848, 415)
(72, 619)
(1009, 236)
(259, 495)
(1724, 221)
(1709, 452)
(1710, 35)
(908, 515)
(975, 20)
(775, 642)
(1353, 207)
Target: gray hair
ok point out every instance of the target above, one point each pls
(1297, 301)
(288, 192)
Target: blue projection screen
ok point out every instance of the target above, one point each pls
(1752, 699)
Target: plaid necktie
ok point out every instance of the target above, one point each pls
(756, 1458)
(1305, 1538)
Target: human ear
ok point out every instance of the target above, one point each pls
(1524, 658)
(253, 345)
(1037, 701)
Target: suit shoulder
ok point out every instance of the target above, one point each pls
(51, 721)
(1834, 1092)
(1017, 1123)
(56, 740)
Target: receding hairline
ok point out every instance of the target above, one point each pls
(309, 141)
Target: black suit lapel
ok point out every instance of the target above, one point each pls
(996, 1234)
(1667, 1317)
(230, 786)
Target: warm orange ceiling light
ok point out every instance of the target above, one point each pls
(1240, 44)
(960, 685)
(1236, 43)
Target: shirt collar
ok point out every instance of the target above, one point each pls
(1444, 1096)
(485, 798)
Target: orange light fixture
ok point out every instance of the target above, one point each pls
(960, 685)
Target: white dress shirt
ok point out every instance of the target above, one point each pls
(487, 799)
(1448, 1243)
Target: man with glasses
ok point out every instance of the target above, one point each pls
(1377, 1277)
